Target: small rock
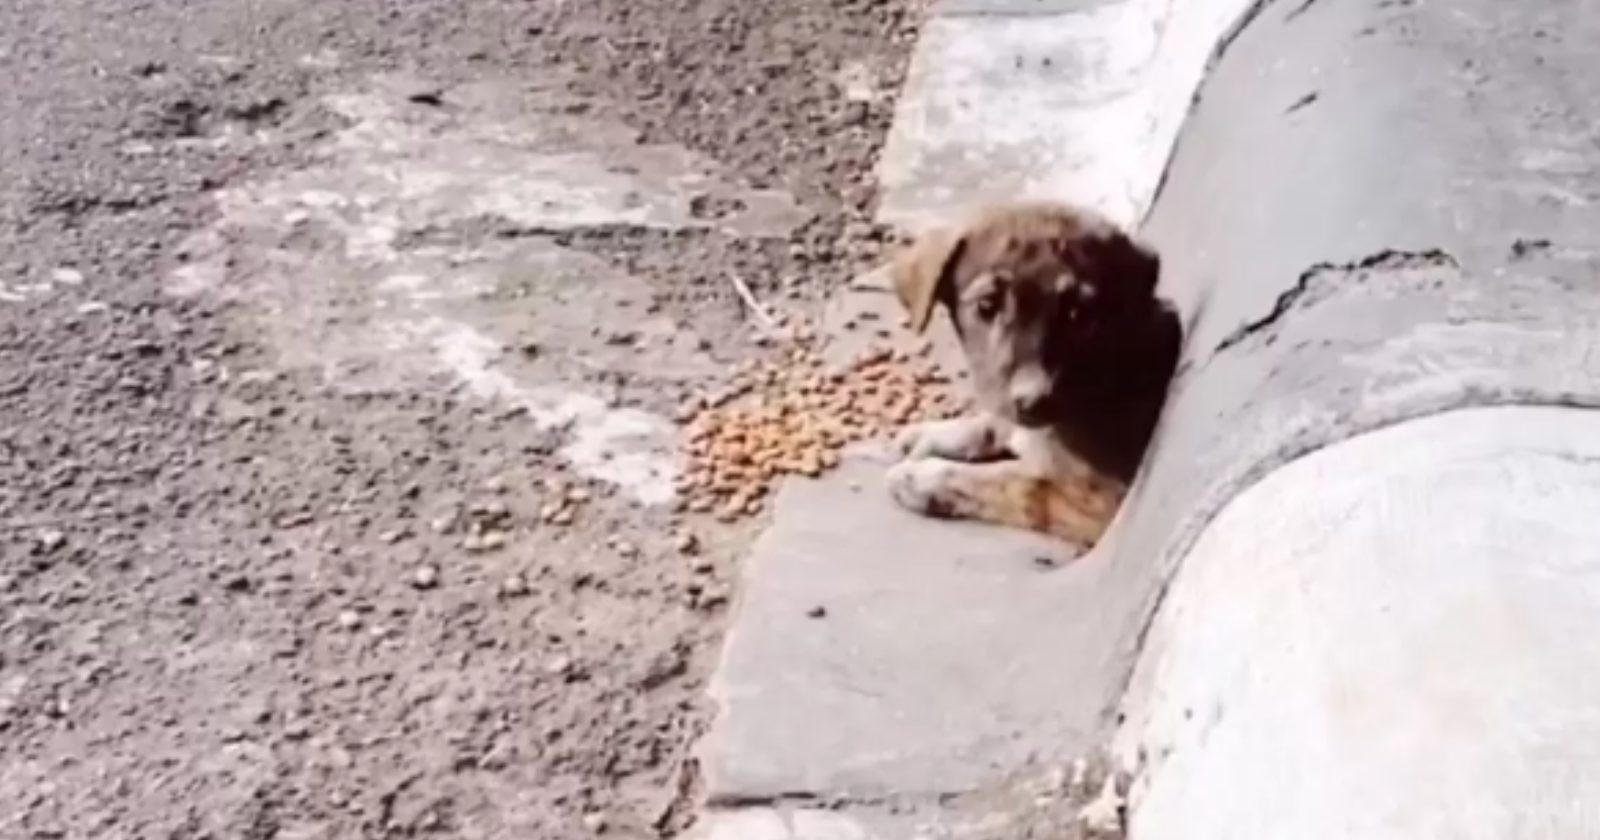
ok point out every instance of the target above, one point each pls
(1103, 816)
(493, 510)
(485, 542)
(514, 586)
(817, 612)
(687, 543)
(51, 540)
(1079, 781)
(558, 666)
(426, 577)
(595, 823)
(349, 619)
(67, 276)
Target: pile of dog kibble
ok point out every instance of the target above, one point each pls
(794, 415)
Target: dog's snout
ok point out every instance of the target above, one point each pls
(1030, 397)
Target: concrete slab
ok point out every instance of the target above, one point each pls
(1079, 101)
(878, 654)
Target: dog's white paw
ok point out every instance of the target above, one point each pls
(922, 486)
(956, 439)
(913, 441)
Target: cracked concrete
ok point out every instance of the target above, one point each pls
(1322, 281)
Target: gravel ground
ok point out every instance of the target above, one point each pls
(239, 599)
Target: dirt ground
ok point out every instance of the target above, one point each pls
(263, 574)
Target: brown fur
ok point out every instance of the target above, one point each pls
(1071, 353)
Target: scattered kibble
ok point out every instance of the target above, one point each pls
(794, 416)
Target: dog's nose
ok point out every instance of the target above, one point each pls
(1030, 395)
(1029, 407)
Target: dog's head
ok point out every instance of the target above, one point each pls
(1041, 295)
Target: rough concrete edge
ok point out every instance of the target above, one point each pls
(1246, 16)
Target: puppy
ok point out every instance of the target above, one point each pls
(1071, 353)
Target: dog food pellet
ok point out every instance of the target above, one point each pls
(793, 416)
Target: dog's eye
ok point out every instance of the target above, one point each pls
(988, 306)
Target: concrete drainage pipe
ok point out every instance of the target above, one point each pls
(1388, 211)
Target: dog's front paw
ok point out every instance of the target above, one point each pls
(922, 486)
(913, 441)
(956, 439)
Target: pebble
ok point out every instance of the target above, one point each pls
(446, 524)
(687, 543)
(426, 577)
(595, 823)
(492, 509)
(485, 541)
(349, 619)
(514, 586)
(51, 539)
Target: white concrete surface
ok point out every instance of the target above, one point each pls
(1395, 637)
(1062, 99)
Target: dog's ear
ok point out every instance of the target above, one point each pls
(1123, 260)
(921, 270)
